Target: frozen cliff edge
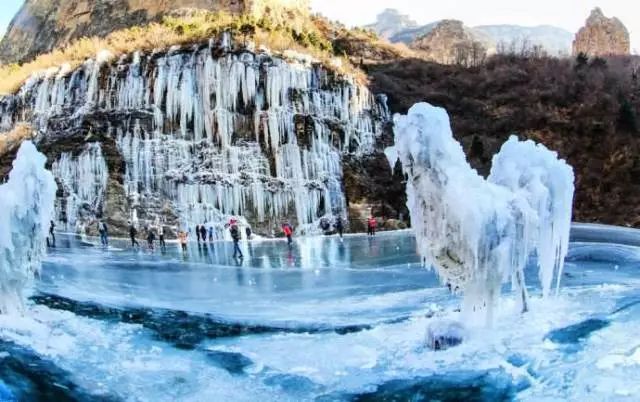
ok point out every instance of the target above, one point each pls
(477, 233)
(26, 207)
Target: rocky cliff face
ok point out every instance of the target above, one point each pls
(43, 25)
(450, 42)
(199, 135)
(602, 36)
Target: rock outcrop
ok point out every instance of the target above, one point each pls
(450, 42)
(44, 25)
(602, 36)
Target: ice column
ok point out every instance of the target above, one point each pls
(476, 233)
(26, 207)
(84, 181)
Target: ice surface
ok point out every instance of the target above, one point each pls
(480, 233)
(129, 313)
(26, 208)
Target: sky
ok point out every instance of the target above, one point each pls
(567, 14)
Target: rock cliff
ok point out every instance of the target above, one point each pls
(43, 25)
(602, 36)
(450, 42)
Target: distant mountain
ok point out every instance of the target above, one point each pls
(556, 41)
(390, 22)
(409, 36)
(399, 28)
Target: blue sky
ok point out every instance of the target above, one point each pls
(568, 14)
(8, 9)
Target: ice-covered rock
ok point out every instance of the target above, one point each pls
(444, 334)
(26, 207)
(481, 233)
(202, 134)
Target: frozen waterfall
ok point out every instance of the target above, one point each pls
(481, 233)
(84, 181)
(207, 133)
(26, 207)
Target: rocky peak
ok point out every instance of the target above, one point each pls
(390, 22)
(450, 42)
(43, 25)
(602, 36)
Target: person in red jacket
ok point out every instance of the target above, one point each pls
(371, 225)
(288, 232)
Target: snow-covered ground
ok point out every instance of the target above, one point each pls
(330, 319)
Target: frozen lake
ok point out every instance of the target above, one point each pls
(326, 320)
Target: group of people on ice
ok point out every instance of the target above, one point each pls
(203, 234)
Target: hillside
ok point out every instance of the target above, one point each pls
(587, 110)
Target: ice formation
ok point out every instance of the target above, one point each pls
(481, 233)
(216, 132)
(84, 181)
(26, 207)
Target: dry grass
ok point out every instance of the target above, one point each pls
(11, 140)
(302, 35)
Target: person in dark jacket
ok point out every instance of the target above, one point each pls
(151, 237)
(104, 233)
(132, 234)
(198, 233)
(52, 228)
(163, 245)
(235, 235)
(203, 233)
(339, 226)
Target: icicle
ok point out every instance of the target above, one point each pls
(479, 233)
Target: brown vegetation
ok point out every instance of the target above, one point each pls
(585, 109)
(301, 33)
(10, 141)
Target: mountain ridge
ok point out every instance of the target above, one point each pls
(555, 40)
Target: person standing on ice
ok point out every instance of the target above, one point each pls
(339, 225)
(102, 229)
(235, 235)
(372, 224)
(52, 227)
(203, 233)
(198, 233)
(210, 234)
(288, 232)
(163, 245)
(183, 237)
(151, 237)
(132, 234)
